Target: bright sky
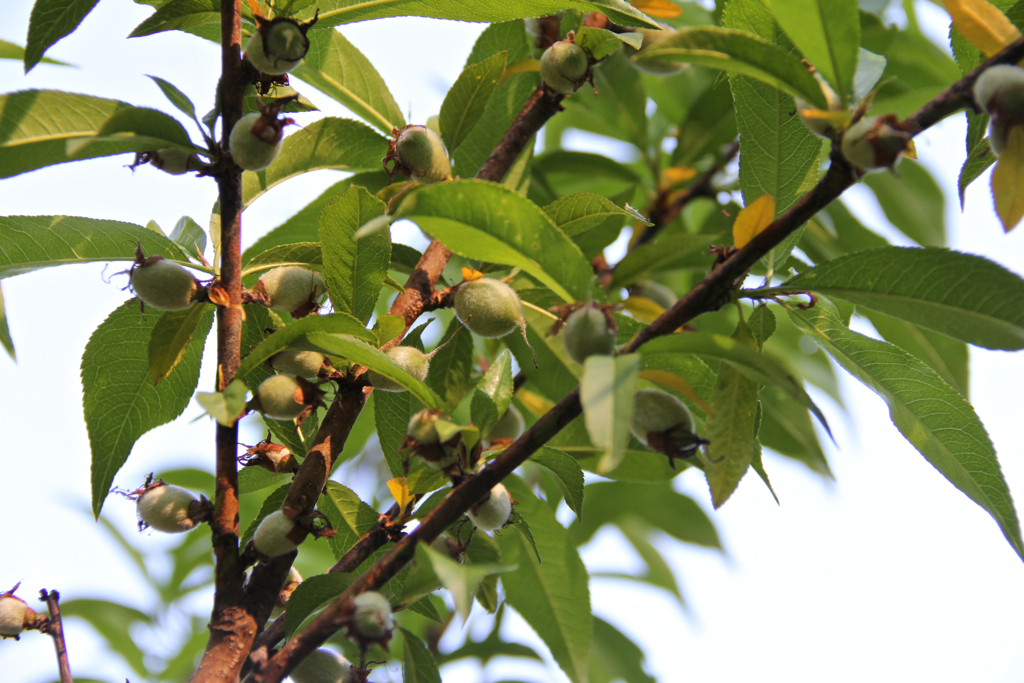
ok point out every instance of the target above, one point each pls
(889, 573)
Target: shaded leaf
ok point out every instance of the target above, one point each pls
(5, 332)
(567, 475)
(613, 655)
(828, 34)
(311, 594)
(914, 203)
(418, 665)
(349, 516)
(493, 394)
(50, 21)
(190, 236)
(582, 211)
(171, 337)
(452, 365)
(606, 393)
(465, 103)
(133, 129)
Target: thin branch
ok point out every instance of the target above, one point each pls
(54, 627)
(708, 295)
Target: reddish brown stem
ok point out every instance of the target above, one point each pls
(54, 627)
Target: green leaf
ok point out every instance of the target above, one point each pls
(932, 416)
(177, 98)
(762, 324)
(601, 43)
(669, 252)
(252, 479)
(451, 367)
(356, 350)
(552, 597)
(659, 573)
(335, 67)
(659, 505)
(334, 12)
(567, 474)
(349, 516)
(961, 295)
(486, 221)
(228, 405)
(828, 34)
(305, 254)
(615, 657)
(340, 144)
(418, 665)
(466, 101)
(730, 428)
(914, 203)
(171, 337)
(493, 394)
(737, 52)
(337, 323)
(182, 15)
(979, 155)
(133, 129)
(29, 243)
(462, 581)
(787, 429)
(392, 411)
(310, 595)
(761, 369)
(190, 236)
(121, 403)
(271, 503)
(618, 110)
(387, 327)
(606, 392)
(112, 621)
(582, 211)
(5, 332)
(51, 20)
(9, 50)
(355, 260)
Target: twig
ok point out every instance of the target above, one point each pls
(706, 296)
(55, 629)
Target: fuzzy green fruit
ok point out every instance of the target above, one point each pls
(654, 67)
(175, 160)
(587, 333)
(412, 360)
(254, 143)
(421, 151)
(509, 427)
(279, 398)
(278, 47)
(488, 307)
(14, 613)
(323, 666)
(999, 91)
(656, 411)
(163, 285)
(372, 618)
(872, 144)
(563, 66)
(492, 514)
(299, 363)
(656, 292)
(426, 442)
(272, 535)
(166, 508)
(291, 582)
(290, 287)
(421, 428)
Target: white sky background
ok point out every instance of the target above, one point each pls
(889, 573)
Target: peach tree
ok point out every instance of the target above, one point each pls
(580, 378)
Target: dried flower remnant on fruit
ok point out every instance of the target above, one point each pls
(15, 615)
(419, 153)
(999, 91)
(323, 666)
(292, 289)
(876, 143)
(274, 457)
(371, 619)
(589, 330)
(663, 423)
(283, 397)
(277, 534)
(161, 284)
(565, 66)
(278, 45)
(256, 138)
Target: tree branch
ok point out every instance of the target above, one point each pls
(54, 627)
(708, 295)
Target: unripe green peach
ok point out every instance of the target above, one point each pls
(421, 151)
(656, 292)
(372, 618)
(323, 666)
(255, 141)
(999, 91)
(280, 398)
(166, 508)
(488, 307)
(426, 442)
(491, 514)
(289, 287)
(449, 547)
(563, 66)
(298, 363)
(656, 411)
(14, 615)
(175, 160)
(655, 67)
(588, 333)
(277, 47)
(163, 285)
(421, 427)
(876, 143)
(291, 582)
(272, 537)
(509, 427)
(412, 360)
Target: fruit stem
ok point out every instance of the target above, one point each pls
(55, 629)
(542, 311)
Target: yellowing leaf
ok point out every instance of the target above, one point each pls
(399, 488)
(1008, 180)
(643, 308)
(538, 405)
(982, 24)
(468, 274)
(677, 174)
(752, 219)
(674, 381)
(660, 9)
